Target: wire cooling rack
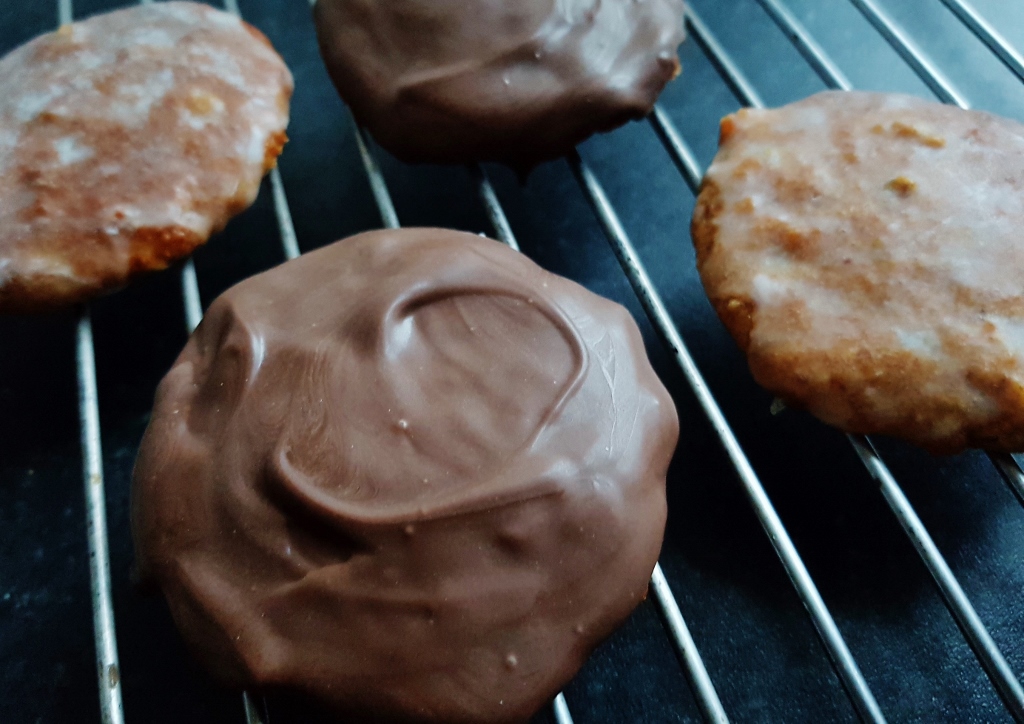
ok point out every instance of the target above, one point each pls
(862, 700)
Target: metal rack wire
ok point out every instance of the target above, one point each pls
(711, 707)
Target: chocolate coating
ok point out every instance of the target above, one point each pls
(454, 81)
(411, 474)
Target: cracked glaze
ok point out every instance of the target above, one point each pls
(866, 251)
(125, 141)
(382, 472)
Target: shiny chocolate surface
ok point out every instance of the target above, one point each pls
(487, 80)
(412, 474)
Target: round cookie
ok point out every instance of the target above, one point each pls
(455, 81)
(411, 474)
(865, 251)
(125, 141)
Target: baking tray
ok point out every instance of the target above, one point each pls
(759, 646)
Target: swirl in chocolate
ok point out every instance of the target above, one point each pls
(451, 81)
(411, 474)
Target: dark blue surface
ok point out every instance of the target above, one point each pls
(759, 645)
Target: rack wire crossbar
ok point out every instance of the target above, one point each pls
(682, 156)
(697, 675)
(806, 589)
(896, 37)
(108, 670)
(389, 218)
(987, 33)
